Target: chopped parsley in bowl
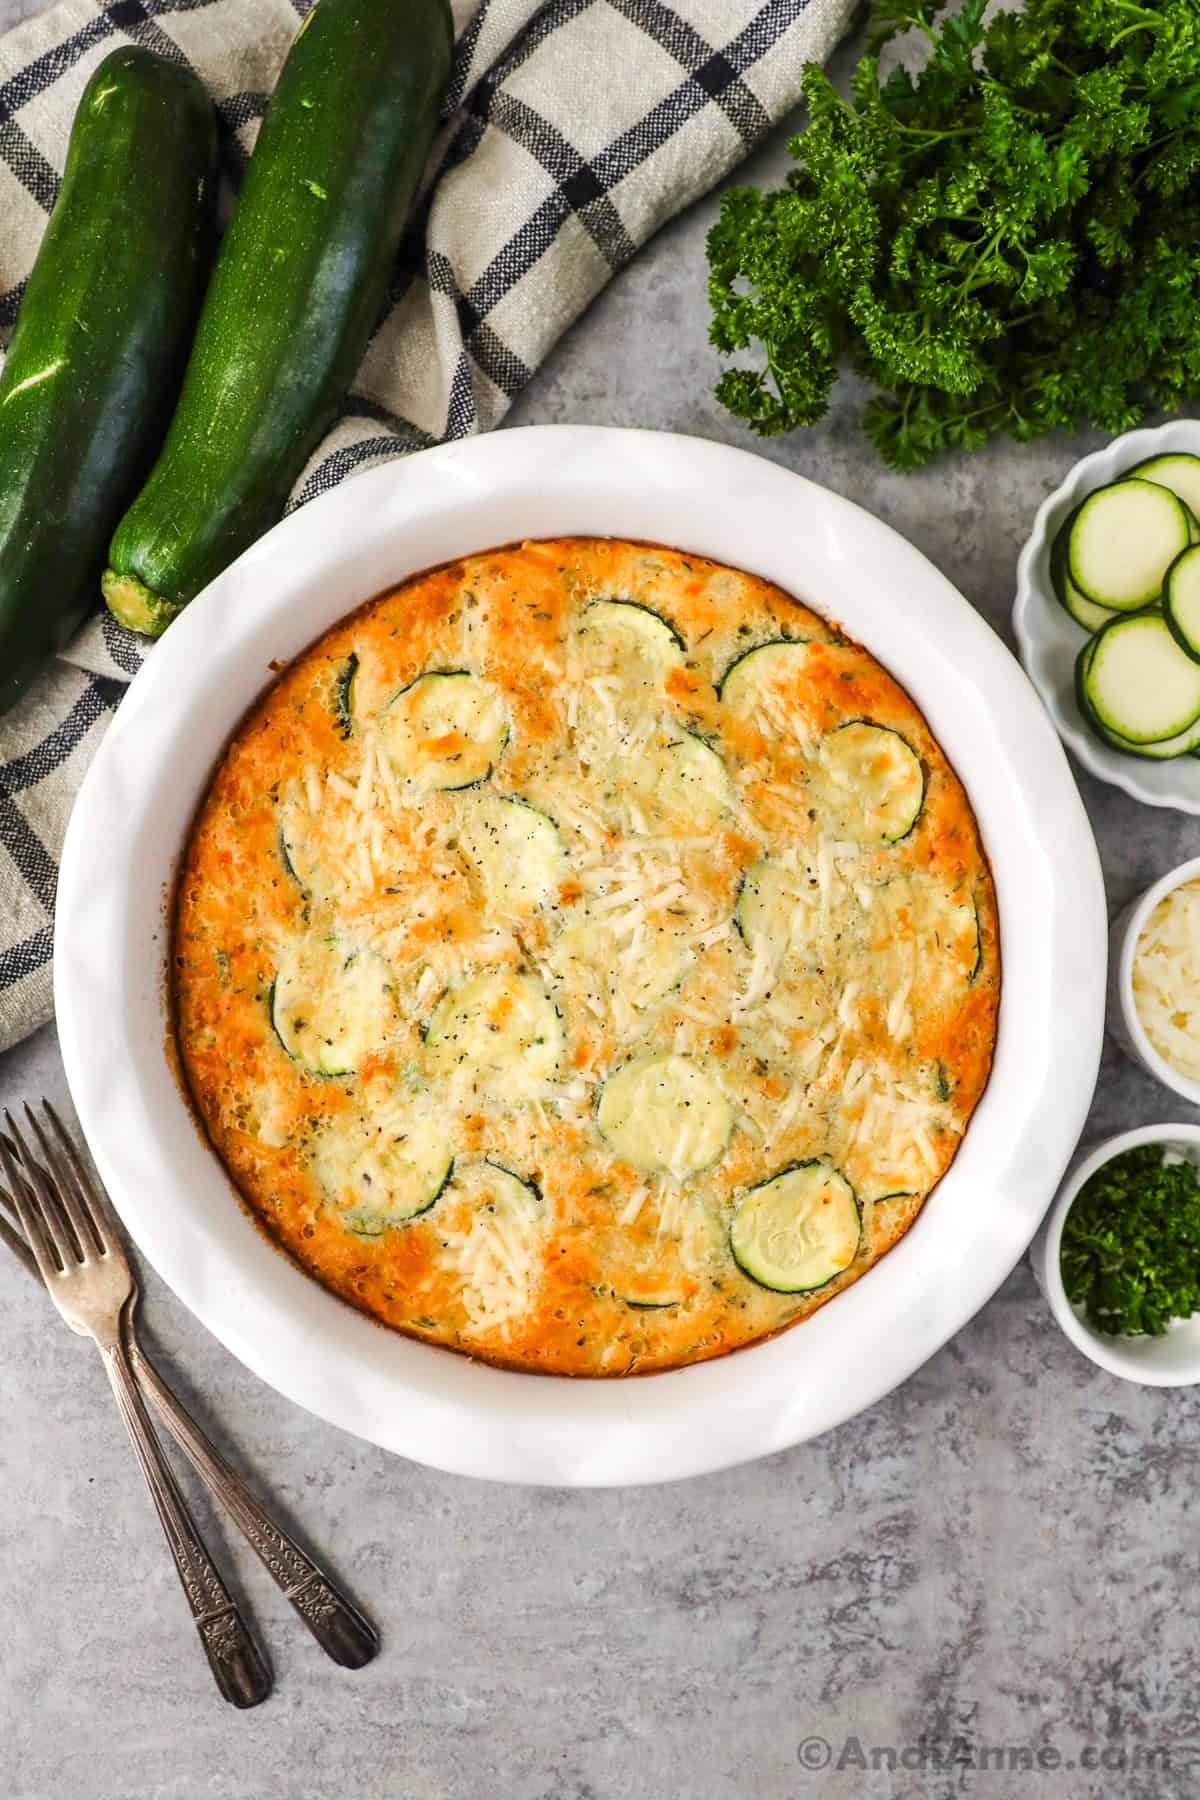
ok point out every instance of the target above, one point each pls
(1130, 1251)
(1119, 1256)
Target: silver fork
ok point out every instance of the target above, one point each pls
(336, 1623)
(90, 1282)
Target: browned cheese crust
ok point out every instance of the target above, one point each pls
(401, 1001)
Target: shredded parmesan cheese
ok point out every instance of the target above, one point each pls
(1166, 979)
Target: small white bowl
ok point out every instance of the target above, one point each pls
(1049, 640)
(1172, 1360)
(1123, 1021)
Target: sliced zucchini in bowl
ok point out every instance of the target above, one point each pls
(1137, 684)
(1085, 612)
(500, 1031)
(1177, 470)
(1181, 600)
(515, 849)
(1122, 540)
(664, 1114)
(332, 1003)
(797, 1231)
(445, 730)
(874, 779)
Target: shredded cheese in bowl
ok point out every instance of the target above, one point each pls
(1166, 979)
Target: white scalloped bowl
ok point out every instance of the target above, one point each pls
(132, 818)
(1049, 640)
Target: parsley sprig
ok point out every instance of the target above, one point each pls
(1130, 1251)
(1007, 242)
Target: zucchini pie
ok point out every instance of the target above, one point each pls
(585, 958)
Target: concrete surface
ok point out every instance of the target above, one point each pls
(996, 1563)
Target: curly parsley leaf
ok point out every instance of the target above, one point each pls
(1130, 1252)
(1007, 241)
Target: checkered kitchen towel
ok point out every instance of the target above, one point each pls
(574, 129)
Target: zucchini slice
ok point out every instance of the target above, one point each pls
(1184, 743)
(1137, 683)
(918, 930)
(499, 1255)
(771, 903)
(1085, 612)
(675, 780)
(652, 1297)
(496, 1188)
(387, 1184)
(642, 964)
(1178, 470)
(950, 929)
(343, 695)
(874, 780)
(445, 730)
(1122, 541)
(1181, 601)
(742, 683)
(295, 849)
(501, 1029)
(663, 1113)
(623, 637)
(332, 1003)
(799, 1230)
(517, 853)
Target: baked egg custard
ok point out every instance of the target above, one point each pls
(585, 958)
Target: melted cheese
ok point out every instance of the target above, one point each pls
(573, 944)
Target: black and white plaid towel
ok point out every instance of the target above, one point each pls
(574, 129)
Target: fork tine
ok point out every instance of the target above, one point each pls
(68, 1192)
(96, 1201)
(29, 1213)
(12, 1237)
(36, 1179)
(6, 1199)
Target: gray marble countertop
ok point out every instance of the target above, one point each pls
(994, 1561)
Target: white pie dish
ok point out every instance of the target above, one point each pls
(1049, 640)
(135, 808)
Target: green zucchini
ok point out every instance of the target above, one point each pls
(331, 1003)
(343, 695)
(100, 343)
(297, 290)
(664, 1113)
(874, 780)
(797, 1231)
(1138, 684)
(1122, 540)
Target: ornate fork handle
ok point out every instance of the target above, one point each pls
(336, 1623)
(237, 1665)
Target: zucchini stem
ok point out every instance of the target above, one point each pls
(132, 603)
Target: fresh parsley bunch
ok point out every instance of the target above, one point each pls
(1009, 242)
